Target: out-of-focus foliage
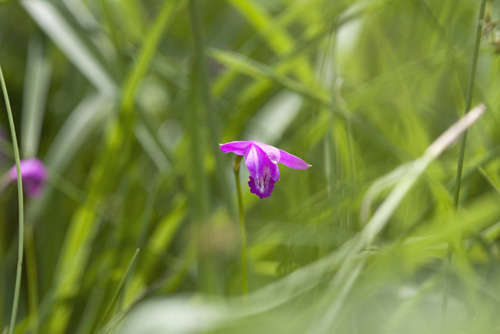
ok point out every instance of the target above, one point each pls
(126, 101)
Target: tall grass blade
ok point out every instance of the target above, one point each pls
(118, 290)
(460, 162)
(20, 203)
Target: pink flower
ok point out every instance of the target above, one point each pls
(34, 175)
(262, 163)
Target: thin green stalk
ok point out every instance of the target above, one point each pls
(460, 163)
(244, 271)
(20, 207)
(118, 290)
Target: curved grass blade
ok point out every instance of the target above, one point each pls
(20, 249)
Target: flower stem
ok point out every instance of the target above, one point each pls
(460, 163)
(244, 274)
(20, 206)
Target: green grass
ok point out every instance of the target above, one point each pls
(20, 201)
(137, 230)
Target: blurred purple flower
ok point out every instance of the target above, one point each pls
(262, 163)
(34, 175)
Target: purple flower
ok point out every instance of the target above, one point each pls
(34, 175)
(262, 163)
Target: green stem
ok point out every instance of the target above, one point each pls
(458, 180)
(15, 303)
(119, 289)
(244, 271)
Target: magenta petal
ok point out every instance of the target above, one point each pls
(292, 161)
(236, 147)
(262, 187)
(274, 171)
(256, 160)
(263, 172)
(259, 163)
(272, 152)
(34, 175)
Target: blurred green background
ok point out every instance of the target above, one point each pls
(126, 101)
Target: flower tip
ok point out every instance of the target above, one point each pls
(34, 175)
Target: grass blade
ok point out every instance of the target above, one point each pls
(36, 87)
(56, 27)
(460, 162)
(20, 248)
